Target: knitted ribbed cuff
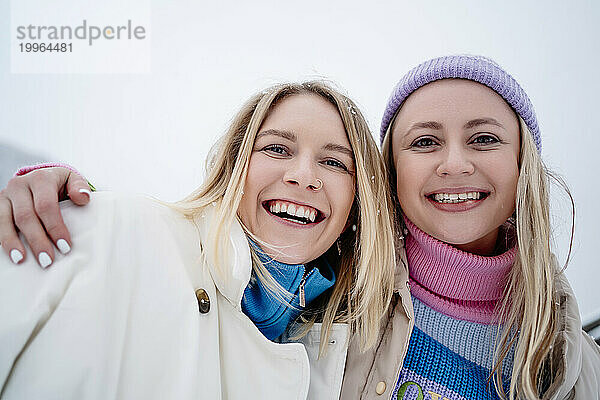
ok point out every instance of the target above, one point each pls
(29, 168)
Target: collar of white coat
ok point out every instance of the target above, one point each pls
(237, 274)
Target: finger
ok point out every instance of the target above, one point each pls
(9, 239)
(45, 203)
(78, 189)
(30, 226)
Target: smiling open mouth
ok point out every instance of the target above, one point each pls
(291, 212)
(450, 198)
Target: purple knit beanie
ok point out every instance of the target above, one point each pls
(474, 68)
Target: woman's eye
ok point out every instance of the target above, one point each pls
(276, 149)
(423, 142)
(335, 164)
(485, 139)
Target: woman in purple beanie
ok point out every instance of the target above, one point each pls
(480, 307)
(492, 313)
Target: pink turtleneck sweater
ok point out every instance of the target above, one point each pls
(461, 285)
(454, 293)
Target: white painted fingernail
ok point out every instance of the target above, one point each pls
(44, 259)
(63, 246)
(16, 256)
(85, 191)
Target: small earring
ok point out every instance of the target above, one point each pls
(353, 227)
(339, 247)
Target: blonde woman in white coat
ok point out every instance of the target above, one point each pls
(168, 300)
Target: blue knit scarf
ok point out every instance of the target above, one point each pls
(270, 314)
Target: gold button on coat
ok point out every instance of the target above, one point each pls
(380, 388)
(203, 301)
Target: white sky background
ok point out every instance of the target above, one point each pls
(150, 132)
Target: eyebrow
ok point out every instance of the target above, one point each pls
(291, 136)
(339, 148)
(424, 125)
(482, 121)
(437, 126)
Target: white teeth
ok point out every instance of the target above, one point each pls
(307, 213)
(456, 197)
(291, 209)
(295, 221)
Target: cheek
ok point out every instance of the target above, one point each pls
(510, 187)
(408, 181)
(342, 197)
(403, 183)
(255, 167)
(504, 173)
(245, 209)
(262, 171)
(257, 178)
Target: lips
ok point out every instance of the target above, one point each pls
(301, 214)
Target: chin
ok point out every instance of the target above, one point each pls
(458, 235)
(460, 241)
(287, 254)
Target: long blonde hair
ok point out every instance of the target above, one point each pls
(528, 311)
(530, 305)
(365, 268)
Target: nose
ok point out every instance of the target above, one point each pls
(455, 161)
(302, 173)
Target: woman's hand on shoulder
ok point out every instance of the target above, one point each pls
(29, 204)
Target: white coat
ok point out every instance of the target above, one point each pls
(118, 318)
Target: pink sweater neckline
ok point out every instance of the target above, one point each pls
(462, 285)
